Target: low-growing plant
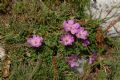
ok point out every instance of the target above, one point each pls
(53, 39)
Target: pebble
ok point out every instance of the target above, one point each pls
(2, 53)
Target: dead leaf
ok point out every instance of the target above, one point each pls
(83, 22)
(54, 62)
(99, 37)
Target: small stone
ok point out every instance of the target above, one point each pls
(2, 53)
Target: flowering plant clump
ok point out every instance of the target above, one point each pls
(75, 32)
(74, 40)
(35, 41)
(75, 29)
(53, 51)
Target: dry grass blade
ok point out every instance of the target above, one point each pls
(54, 62)
(83, 22)
(113, 23)
(99, 37)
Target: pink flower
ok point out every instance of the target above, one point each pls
(85, 42)
(92, 58)
(75, 28)
(35, 41)
(82, 34)
(71, 26)
(72, 61)
(68, 25)
(67, 39)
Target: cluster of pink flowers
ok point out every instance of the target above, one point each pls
(74, 29)
(71, 26)
(35, 41)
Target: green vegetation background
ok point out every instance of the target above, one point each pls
(21, 18)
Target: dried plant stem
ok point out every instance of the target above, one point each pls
(107, 14)
(113, 23)
(99, 37)
(54, 62)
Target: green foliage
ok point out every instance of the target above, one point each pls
(102, 75)
(44, 18)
